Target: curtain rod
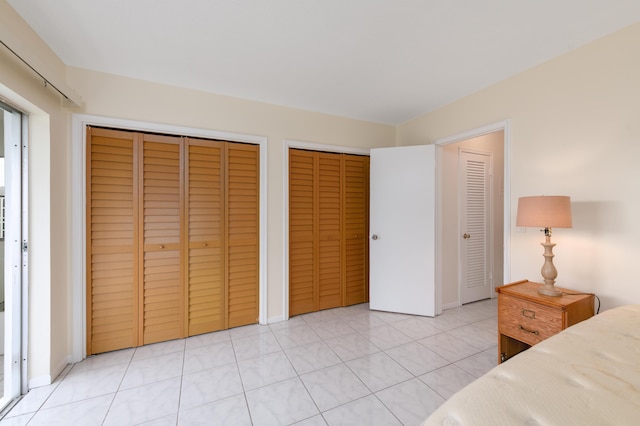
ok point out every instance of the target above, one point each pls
(46, 82)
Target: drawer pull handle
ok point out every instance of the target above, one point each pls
(529, 313)
(527, 330)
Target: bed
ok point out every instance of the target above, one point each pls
(588, 374)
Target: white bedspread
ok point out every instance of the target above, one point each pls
(589, 374)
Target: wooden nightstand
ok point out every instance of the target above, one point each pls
(526, 317)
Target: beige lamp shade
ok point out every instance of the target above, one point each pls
(544, 211)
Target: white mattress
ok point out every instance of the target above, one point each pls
(589, 374)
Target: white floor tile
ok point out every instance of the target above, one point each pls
(229, 411)
(210, 356)
(449, 347)
(411, 402)
(351, 346)
(379, 371)
(157, 349)
(144, 403)
(417, 327)
(339, 366)
(86, 412)
(265, 370)
(478, 364)
(312, 357)
(365, 411)
(208, 386)
(416, 358)
(89, 384)
(296, 336)
(257, 345)
(334, 386)
(447, 380)
(281, 403)
(385, 336)
(148, 370)
(207, 339)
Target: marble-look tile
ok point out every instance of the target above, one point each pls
(390, 317)
(416, 358)
(228, 411)
(32, 401)
(157, 349)
(449, 347)
(210, 356)
(296, 336)
(386, 336)
(144, 403)
(324, 315)
(478, 364)
(170, 420)
(20, 420)
(86, 412)
(207, 339)
(281, 403)
(253, 346)
(210, 385)
(88, 384)
(155, 369)
(291, 322)
(379, 371)
(361, 321)
(99, 361)
(417, 327)
(312, 357)
(411, 402)
(334, 386)
(447, 321)
(334, 327)
(474, 336)
(265, 370)
(312, 421)
(351, 346)
(447, 380)
(365, 411)
(248, 330)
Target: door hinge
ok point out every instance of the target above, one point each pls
(25, 246)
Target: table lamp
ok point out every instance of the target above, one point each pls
(545, 212)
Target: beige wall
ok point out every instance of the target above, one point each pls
(118, 97)
(574, 131)
(48, 180)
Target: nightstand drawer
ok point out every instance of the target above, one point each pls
(526, 321)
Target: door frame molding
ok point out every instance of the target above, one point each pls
(505, 126)
(311, 146)
(78, 205)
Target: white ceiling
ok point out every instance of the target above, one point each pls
(385, 61)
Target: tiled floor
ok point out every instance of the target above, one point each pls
(345, 366)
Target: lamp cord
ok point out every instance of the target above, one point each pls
(586, 294)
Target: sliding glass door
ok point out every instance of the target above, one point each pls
(12, 251)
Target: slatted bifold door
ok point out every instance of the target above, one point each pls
(173, 237)
(328, 230)
(206, 293)
(112, 246)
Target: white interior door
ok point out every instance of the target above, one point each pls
(475, 222)
(402, 226)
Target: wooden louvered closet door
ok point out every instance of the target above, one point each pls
(242, 212)
(112, 240)
(328, 230)
(162, 217)
(356, 228)
(173, 237)
(206, 293)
